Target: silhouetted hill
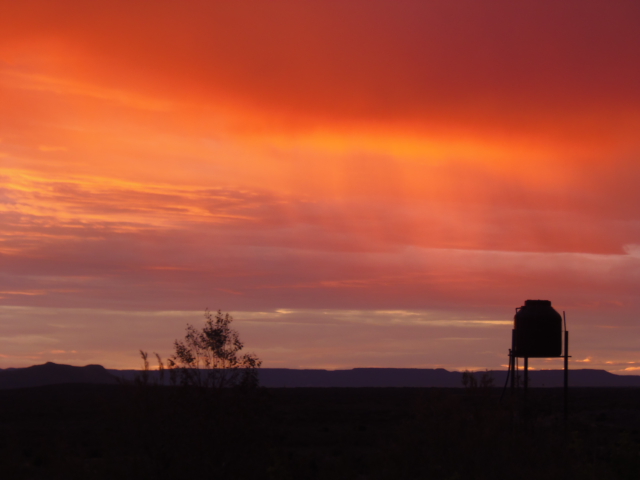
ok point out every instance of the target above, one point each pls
(417, 377)
(583, 378)
(53, 373)
(408, 377)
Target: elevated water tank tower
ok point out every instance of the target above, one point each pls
(538, 333)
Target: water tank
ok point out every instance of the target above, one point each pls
(537, 330)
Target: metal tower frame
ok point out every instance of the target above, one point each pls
(512, 366)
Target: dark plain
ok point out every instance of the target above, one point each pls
(145, 431)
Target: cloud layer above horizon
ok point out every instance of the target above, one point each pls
(445, 160)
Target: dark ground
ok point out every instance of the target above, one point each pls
(104, 431)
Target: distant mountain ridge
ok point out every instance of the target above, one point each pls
(408, 377)
(52, 373)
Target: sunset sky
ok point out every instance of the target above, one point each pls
(362, 183)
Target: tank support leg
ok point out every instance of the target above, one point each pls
(566, 376)
(512, 361)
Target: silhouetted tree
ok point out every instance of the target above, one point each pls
(210, 358)
(204, 429)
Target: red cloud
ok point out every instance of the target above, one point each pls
(543, 71)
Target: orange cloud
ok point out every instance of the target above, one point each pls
(530, 75)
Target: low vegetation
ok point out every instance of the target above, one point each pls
(208, 359)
